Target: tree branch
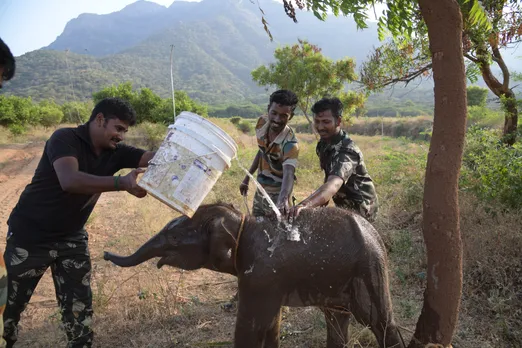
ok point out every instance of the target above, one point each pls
(473, 59)
(497, 57)
(409, 77)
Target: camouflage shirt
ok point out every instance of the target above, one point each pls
(341, 157)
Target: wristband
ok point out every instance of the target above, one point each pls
(117, 183)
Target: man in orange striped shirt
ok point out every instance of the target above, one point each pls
(276, 160)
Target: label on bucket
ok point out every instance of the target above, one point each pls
(194, 187)
(179, 178)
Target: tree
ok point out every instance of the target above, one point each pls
(444, 24)
(405, 59)
(477, 96)
(303, 69)
(49, 113)
(17, 111)
(149, 106)
(76, 112)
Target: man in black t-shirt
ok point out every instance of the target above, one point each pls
(46, 227)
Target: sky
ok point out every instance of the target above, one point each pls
(27, 25)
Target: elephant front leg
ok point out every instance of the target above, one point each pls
(257, 321)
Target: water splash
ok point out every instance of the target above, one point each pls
(292, 232)
(263, 192)
(294, 235)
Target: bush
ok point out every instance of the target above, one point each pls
(482, 116)
(16, 129)
(76, 112)
(245, 127)
(492, 170)
(477, 96)
(49, 114)
(235, 120)
(147, 135)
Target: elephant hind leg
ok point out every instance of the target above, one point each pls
(272, 333)
(337, 328)
(371, 305)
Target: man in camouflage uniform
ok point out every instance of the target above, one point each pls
(276, 159)
(346, 179)
(7, 70)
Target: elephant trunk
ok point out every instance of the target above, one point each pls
(154, 247)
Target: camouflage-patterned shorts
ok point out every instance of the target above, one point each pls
(261, 207)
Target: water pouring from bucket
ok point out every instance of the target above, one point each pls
(189, 162)
(191, 158)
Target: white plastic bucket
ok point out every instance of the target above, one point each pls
(188, 163)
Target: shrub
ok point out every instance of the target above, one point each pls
(16, 129)
(76, 112)
(245, 127)
(49, 114)
(492, 170)
(235, 120)
(148, 135)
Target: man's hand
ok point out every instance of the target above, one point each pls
(129, 184)
(243, 188)
(294, 212)
(284, 207)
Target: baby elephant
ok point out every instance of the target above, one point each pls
(329, 258)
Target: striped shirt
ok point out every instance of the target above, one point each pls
(283, 150)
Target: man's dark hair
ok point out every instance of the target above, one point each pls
(333, 104)
(284, 97)
(7, 61)
(115, 108)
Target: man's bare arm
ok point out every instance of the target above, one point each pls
(324, 193)
(74, 181)
(288, 183)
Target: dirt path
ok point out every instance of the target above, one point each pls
(17, 166)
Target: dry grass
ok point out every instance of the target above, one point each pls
(146, 307)
(33, 134)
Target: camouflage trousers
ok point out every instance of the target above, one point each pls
(71, 271)
(3, 299)
(261, 207)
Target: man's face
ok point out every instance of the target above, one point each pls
(279, 115)
(326, 124)
(109, 132)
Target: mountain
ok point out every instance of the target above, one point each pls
(217, 43)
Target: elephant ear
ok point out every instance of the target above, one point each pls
(222, 244)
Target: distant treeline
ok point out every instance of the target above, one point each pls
(245, 110)
(17, 113)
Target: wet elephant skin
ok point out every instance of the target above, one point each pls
(329, 258)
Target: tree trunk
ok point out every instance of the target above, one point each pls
(441, 230)
(501, 90)
(510, 118)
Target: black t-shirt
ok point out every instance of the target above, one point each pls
(46, 212)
